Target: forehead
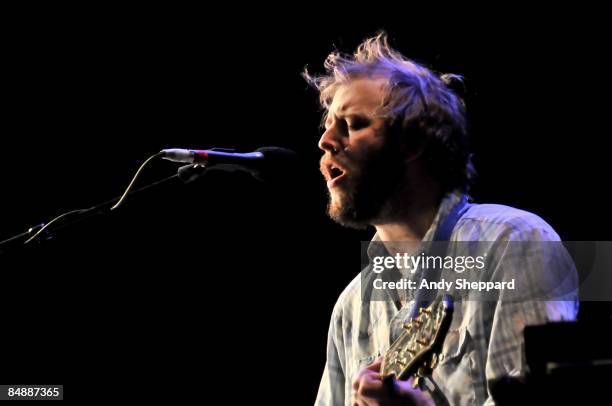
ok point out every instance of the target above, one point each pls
(363, 95)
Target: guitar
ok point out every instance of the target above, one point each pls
(416, 351)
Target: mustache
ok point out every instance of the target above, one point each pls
(339, 162)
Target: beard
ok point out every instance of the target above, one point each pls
(360, 202)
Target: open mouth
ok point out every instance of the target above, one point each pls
(335, 175)
(335, 172)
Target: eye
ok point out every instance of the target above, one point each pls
(342, 125)
(358, 123)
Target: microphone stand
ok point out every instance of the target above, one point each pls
(186, 174)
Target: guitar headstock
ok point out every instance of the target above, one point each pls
(415, 352)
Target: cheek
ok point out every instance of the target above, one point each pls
(366, 144)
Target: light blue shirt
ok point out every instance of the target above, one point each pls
(485, 340)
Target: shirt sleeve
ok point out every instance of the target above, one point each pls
(545, 264)
(333, 382)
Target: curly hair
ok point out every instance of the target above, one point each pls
(418, 103)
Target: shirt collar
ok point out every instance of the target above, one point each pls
(448, 202)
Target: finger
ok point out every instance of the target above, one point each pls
(390, 384)
(357, 379)
(375, 366)
(360, 374)
(372, 390)
(365, 372)
(370, 385)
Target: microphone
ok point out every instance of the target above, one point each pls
(262, 163)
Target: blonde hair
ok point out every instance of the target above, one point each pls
(417, 103)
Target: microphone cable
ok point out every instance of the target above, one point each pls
(119, 202)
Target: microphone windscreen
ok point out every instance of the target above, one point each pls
(277, 163)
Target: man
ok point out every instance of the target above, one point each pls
(396, 158)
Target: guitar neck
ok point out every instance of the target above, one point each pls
(415, 351)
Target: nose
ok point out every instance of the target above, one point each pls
(330, 141)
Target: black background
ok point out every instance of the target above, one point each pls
(226, 285)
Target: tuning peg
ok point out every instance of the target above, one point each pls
(434, 361)
(418, 376)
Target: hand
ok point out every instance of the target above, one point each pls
(372, 390)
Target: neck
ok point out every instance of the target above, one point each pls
(409, 215)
